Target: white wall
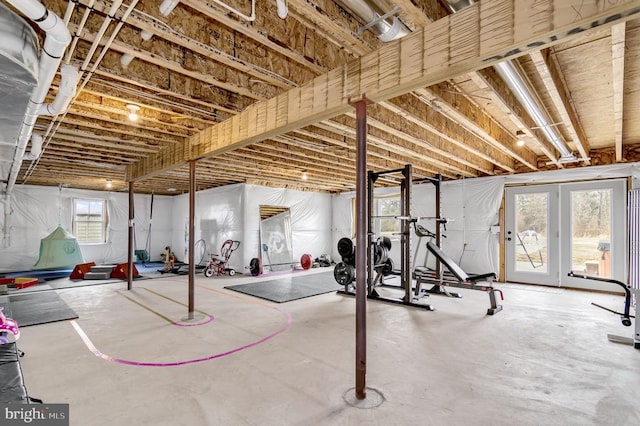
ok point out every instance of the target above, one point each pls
(473, 205)
(34, 212)
(233, 212)
(219, 217)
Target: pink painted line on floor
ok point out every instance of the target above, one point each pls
(87, 341)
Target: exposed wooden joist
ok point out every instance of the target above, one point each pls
(618, 33)
(469, 40)
(157, 60)
(466, 145)
(341, 35)
(145, 23)
(553, 81)
(476, 121)
(151, 87)
(249, 31)
(502, 96)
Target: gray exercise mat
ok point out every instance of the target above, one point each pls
(290, 288)
(37, 308)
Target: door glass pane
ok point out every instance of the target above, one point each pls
(591, 232)
(532, 211)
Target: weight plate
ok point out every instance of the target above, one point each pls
(387, 269)
(306, 261)
(345, 247)
(344, 274)
(255, 267)
(385, 242)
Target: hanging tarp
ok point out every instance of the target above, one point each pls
(59, 249)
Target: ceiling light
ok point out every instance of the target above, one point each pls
(171, 189)
(108, 184)
(305, 176)
(520, 138)
(133, 111)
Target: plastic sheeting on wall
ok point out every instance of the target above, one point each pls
(473, 205)
(37, 210)
(233, 212)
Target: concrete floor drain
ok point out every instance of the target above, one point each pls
(374, 398)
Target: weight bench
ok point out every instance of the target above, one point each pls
(458, 278)
(12, 388)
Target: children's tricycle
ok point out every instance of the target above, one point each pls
(219, 262)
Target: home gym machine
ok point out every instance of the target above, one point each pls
(378, 260)
(632, 290)
(625, 316)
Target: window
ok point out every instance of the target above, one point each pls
(385, 226)
(90, 220)
(387, 206)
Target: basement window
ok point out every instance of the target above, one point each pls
(386, 226)
(90, 220)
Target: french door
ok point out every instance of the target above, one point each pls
(554, 229)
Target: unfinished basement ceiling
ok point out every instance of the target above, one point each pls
(202, 64)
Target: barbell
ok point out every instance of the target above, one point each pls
(256, 265)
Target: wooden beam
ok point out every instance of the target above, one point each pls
(618, 33)
(466, 41)
(553, 80)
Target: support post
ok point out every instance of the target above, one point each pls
(130, 249)
(192, 231)
(436, 184)
(405, 231)
(361, 248)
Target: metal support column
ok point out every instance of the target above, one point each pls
(130, 248)
(438, 215)
(361, 248)
(192, 231)
(405, 231)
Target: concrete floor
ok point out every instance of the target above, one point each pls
(543, 360)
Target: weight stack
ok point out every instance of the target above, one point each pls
(345, 271)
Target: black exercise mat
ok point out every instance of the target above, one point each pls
(38, 308)
(289, 288)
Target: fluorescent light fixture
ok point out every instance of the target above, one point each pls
(133, 112)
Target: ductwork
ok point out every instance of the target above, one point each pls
(511, 75)
(66, 91)
(371, 15)
(56, 41)
(36, 148)
(520, 89)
